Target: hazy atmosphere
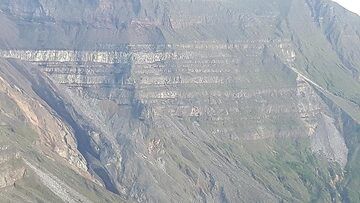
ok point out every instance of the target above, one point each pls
(212, 101)
(352, 5)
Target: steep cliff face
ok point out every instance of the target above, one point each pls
(341, 29)
(155, 102)
(78, 24)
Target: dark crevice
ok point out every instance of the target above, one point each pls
(102, 173)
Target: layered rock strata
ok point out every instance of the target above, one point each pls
(227, 91)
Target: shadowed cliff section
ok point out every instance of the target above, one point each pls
(30, 128)
(68, 115)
